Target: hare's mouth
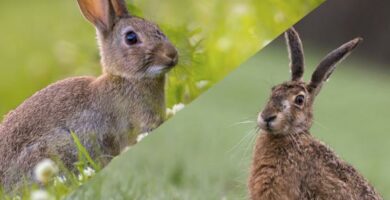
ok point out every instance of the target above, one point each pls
(272, 125)
(266, 126)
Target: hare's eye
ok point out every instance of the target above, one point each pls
(299, 100)
(131, 38)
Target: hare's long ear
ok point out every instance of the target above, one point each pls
(295, 51)
(103, 13)
(328, 65)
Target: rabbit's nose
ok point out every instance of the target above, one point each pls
(170, 52)
(269, 119)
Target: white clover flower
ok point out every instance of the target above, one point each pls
(127, 148)
(88, 172)
(80, 177)
(41, 195)
(59, 179)
(169, 113)
(176, 108)
(45, 170)
(142, 136)
(201, 84)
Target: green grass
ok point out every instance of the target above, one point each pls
(204, 152)
(60, 183)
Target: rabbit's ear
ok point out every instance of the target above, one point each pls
(102, 13)
(120, 8)
(97, 12)
(328, 65)
(295, 51)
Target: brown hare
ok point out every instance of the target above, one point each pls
(108, 112)
(288, 162)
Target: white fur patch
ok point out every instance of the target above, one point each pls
(156, 70)
(275, 125)
(286, 105)
(278, 120)
(260, 119)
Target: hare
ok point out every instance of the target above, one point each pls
(288, 162)
(108, 112)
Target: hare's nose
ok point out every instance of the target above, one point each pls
(269, 119)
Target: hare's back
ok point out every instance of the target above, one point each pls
(331, 173)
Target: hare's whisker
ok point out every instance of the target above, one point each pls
(248, 134)
(243, 122)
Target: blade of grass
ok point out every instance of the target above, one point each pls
(83, 153)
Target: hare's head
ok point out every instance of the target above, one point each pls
(129, 46)
(289, 109)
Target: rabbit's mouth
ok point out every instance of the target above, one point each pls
(163, 65)
(157, 70)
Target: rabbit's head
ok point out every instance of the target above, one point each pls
(289, 109)
(129, 46)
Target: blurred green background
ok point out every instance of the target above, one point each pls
(43, 41)
(204, 152)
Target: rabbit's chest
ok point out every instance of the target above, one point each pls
(140, 117)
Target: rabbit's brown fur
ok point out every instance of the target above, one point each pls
(107, 113)
(288, 162)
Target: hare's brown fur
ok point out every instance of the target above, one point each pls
(107, 113)
(288, 162)
(301, 167)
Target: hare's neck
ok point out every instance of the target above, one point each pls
(276, 157)
(272, 149)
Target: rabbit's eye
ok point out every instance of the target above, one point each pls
(299, 100)
(131, 38)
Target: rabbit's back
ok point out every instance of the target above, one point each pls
(30, 132)
(52, 104)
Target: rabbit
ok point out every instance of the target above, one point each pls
(106, 112)
(288, 162)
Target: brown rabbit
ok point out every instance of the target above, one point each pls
(289, 163)
(107, 112)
